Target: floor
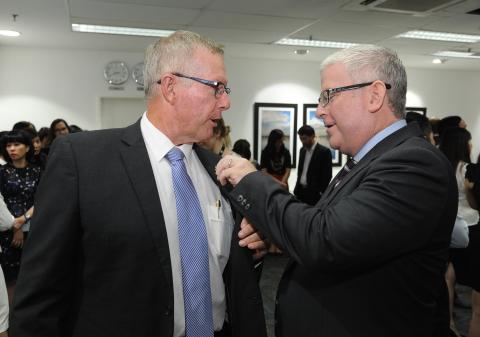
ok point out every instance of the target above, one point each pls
(272, 271)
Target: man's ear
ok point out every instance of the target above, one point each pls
(377, 96)
(167, 87)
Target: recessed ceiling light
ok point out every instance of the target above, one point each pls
(314, 43)
(9, 33)
(440, 36)
(438, 61)
(78, 27)
(301, 51)
(462, 54)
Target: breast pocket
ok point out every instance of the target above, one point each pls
(220, 227)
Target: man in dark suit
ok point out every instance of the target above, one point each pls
(369, 259)
(314, 169)
(106, 256)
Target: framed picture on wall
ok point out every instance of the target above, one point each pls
(269, 116)
(309, 118)
(420, 110)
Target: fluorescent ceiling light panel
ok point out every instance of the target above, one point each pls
(78, 27)
(9, 33)
(440, 36)
(315, 43)
(462, 54)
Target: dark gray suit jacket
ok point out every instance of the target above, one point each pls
(369, 259)
(97, 261)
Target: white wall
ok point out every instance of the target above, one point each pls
(40, 85)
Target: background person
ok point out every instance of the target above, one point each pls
(369, 259)
(276, 159)
(455, 143)
(58, 127)
(314, 167)
(220, 142)
(7, 221)
(18, 183)
(423, 123)
(472, 184)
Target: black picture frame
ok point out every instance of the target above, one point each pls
(420, 110)
(269, 116)
(309, 118)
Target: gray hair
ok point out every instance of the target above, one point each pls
(172, 54)
(366, 63)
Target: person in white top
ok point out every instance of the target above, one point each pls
(455, 143)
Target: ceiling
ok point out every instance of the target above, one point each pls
(247, 28)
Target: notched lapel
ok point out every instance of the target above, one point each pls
(209, 160)
(393, 140)
(139, 169)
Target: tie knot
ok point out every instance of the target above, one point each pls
(350, 163)
(174, 155)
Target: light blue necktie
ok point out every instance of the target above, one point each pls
(193, 241)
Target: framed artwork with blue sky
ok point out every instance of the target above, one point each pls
(309, 118)
(269, 116)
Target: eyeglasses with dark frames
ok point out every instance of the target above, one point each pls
(219, 87)
(327, 94)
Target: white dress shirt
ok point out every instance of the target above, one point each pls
(218, 220)
(306, 163)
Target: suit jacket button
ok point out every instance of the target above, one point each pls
(240, 198)
(247, 207)
(244, 202)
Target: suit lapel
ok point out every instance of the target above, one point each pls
(209, 160)
(137, 164)
(391, 141)
(300, 165)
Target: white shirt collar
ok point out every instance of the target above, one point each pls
(158, 143)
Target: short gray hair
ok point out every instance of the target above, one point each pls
(172, 54)
(366, 63)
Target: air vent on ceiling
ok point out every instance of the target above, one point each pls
(423, 7)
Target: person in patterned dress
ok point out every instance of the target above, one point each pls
(18, 182)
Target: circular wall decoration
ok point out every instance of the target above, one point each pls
(137, 74)
(116, 72)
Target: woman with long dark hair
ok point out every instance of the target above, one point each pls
(455, 143)
(58, 127)
(276, 159)
(18, 182)
(472, 184)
